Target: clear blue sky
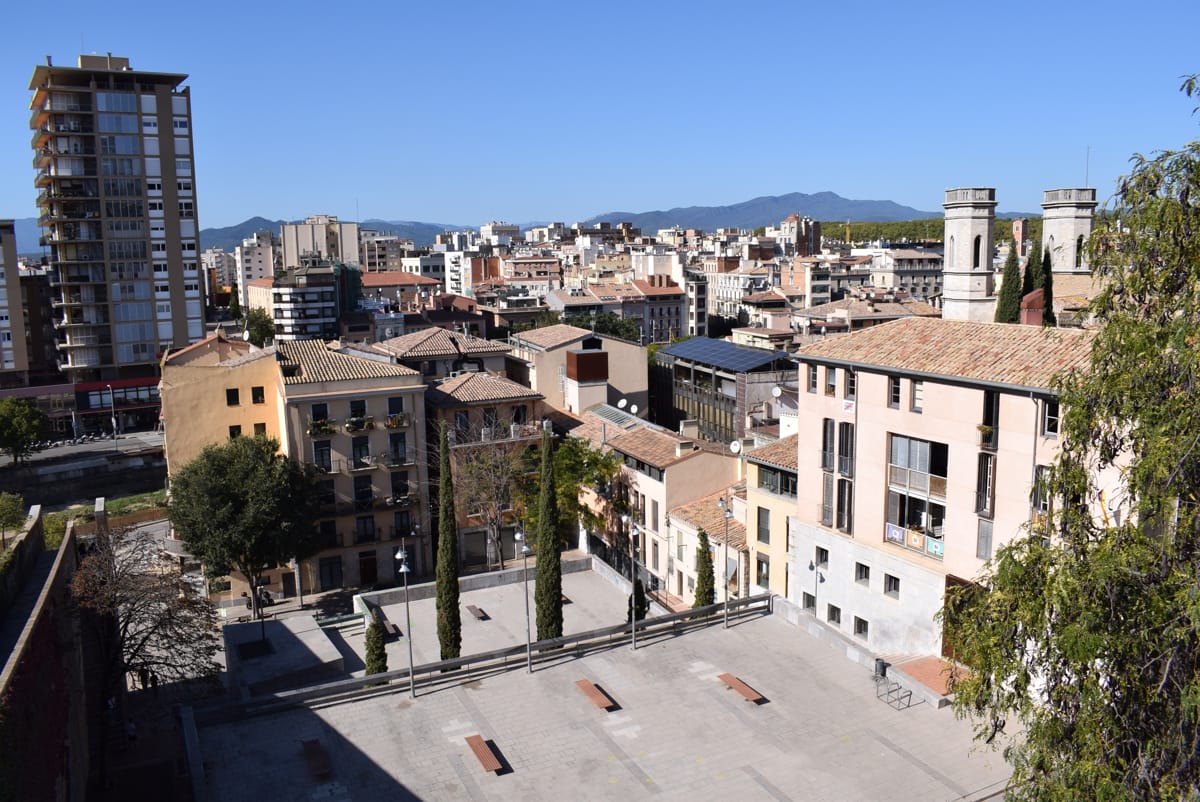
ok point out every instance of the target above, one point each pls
(458, 113)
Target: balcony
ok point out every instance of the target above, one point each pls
(364, 462)
(317, 428)
(359, 424)
(396, 421)
(396, 459)
(989, 438)
(931, 545)
(400, 502)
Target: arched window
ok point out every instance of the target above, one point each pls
(978, 255)
(1079, 251)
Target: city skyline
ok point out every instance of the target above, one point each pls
(550, 112)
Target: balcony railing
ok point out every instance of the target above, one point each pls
(397, 421)
(396, 458)
(359, 424)
(320, 427)
(931, 545)
(988, 437)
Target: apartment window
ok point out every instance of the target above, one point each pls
(462, 420)
(833, 614)
(258, 395)
(827, 444)
(891, 586)
(845, 505)
(654, 555)
(846, 448)
(808, 601)
(918, 395)
(1050, 417)
(830, 381)
(989, 427)
(322, 455)
(983, 540)
(654, 514)
(894, 392)
(320, 412)
(812, 378)
(822, 557)
(260, 429)
(360, 450)
(851, 384)
(519, 415)
(358, 408)
(775, 481)
(862, 573)
(1041, 495)
(231, 397)
(235, 431)
(985, 484)
(762, 576)
(395, 405)
(861, 627)
(917, 471)
(764, 525)
(364, 529)
(828, 493)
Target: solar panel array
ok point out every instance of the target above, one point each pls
(723, 354)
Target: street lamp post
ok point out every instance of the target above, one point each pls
(112, 410)
(721, 503)
(402, 556)
(520, 537)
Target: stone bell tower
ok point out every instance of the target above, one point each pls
(967, 278)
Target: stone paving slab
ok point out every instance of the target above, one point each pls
(680, 733)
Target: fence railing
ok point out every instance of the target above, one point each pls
(449, 671)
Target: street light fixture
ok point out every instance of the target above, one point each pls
(721, 504)
(112, 410)
(402, 556)
(520, 538)
(634, 533)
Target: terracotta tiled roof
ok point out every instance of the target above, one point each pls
(476, 388)
(397, 278)
(653, 447)
(1004, 353)
(781, 453)
(216, 338)
(859, 309)
(268, 281)
(703, 513)
(552, 336)
(437, 342)
(649, 289)
(317, 361)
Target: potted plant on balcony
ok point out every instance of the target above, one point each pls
(360, 423)
(320, 426)
(397, 420)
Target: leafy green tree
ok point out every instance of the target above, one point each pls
(1032, 269)
(260, 325)
(1048, 318)
(235, 305)
(376, 645)
(21, 425)
(1086, 633)
(548, 587)
(578, 469)
(608, 323)
(1008, 305)
(12, 515)
(241, 505)
(638, 605)
(705, 579)
(449, 617)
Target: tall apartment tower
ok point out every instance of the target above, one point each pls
(1066, 225)
(322, 236)
(259, 256)
(967, 266)
(117, 195)
(14, 356)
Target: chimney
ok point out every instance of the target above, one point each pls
(684, 447)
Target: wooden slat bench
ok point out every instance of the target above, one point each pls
(748, 693)
(487, 758)
(480, 615)
(599, 698)
(318, 759)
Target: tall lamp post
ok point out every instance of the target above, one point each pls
(402, 556)
(112, 409)
(633, 533)
(520, 537)
(721, 504)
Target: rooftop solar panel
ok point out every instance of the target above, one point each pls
(724, 354)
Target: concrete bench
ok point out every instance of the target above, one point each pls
(480, 615)
(317, 758)
(748, 693)
(487, 758)
(390, 630)
(599, 698)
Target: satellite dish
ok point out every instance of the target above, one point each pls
(735, 446)
(633, 410)
(621, 404)
(246, 335)
(776, 391)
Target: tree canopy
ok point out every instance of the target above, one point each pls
(13, 513)
(260, 325)
(705, 579)
(1048, 318)
(1087, 629)
(242, 505)
(608, 323)
(21, 425)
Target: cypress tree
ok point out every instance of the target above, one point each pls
(705, 580)
(637, 602)
(548, 588)
(449, 617)
(1008, 305)
(376, 651)
(1048, 318)
(1033, 270)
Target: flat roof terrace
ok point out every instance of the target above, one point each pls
(678, 732)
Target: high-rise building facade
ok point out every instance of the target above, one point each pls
(117, 197)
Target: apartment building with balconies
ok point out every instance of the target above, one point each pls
(920, 448)
(117, 196)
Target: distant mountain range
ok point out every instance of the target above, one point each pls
(765, 211)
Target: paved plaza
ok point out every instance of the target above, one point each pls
(679, 732)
